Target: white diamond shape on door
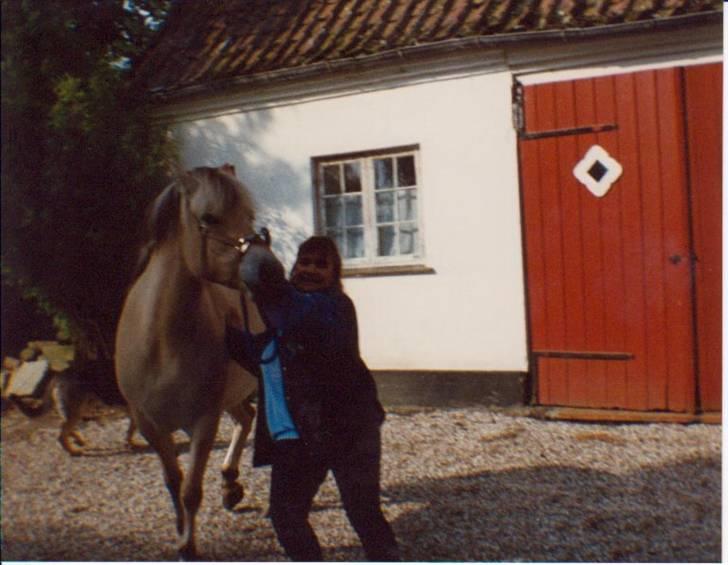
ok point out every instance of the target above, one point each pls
(597, 170)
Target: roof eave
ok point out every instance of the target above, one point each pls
(443, 47)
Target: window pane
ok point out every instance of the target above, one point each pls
(332, 212)
(407, 204)
(407, 235)
(406, 171)
(387, 241)
(383, 173)
(385, 206)
(348, 187)
(332, 179)
(338, 236)
(352, 177)
(353, 212)
(354, 242)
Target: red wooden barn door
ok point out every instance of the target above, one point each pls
(609, 258)
(704, 118)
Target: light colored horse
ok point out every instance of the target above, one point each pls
(171, 361)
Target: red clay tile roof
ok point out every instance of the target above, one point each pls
(212, 41)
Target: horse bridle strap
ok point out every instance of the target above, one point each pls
(241, 244)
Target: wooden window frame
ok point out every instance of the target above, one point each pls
(372, 264)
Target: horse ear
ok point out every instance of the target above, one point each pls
(188, 181)
(228, 168)
(164, 212)
(176, 169)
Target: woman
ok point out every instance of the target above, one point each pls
(318, 406)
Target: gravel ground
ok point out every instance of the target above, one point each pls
(458, 485)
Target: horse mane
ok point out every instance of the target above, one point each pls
(160, 222)
(163, 213)
(143, 257)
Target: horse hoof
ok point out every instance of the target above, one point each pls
(185, 554)
(232, 494)
(136, 446)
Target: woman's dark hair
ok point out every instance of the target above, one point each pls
(320, 244)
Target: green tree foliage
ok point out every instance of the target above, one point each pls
(80, 156)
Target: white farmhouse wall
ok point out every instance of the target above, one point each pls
(470, 314)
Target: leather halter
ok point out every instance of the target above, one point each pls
(241, 244)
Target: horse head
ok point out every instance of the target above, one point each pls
(205, 214)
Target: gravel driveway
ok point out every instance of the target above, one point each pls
(458, 485)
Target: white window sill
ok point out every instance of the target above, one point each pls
(386, 271)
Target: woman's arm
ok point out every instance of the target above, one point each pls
(327, 319)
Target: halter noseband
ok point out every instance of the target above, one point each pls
(241, 244)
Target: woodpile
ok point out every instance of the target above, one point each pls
(27, 375)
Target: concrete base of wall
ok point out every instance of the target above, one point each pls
(450, 389)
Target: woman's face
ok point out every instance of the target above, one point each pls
(312, 272)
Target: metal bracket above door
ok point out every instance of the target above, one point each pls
(519, 121)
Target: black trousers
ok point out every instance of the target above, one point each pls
(295, 479)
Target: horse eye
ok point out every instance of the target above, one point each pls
(210, 219)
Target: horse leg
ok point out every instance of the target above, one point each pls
(232, 490)
(164, 445)
(130, 431)
(202, 437)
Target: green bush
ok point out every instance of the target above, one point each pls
(81, 158)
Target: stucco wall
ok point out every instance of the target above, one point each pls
(469, 314)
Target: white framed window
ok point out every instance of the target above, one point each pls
(369, 204)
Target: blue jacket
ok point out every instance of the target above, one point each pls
(330, 392)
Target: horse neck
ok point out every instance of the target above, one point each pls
(180, 293)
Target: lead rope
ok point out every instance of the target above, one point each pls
(244, 306)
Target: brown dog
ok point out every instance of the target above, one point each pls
(71, 392)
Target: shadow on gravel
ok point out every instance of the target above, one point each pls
(54, 548)
(183, 446)
(114, 451)
(557, 513)
(550, 513)
(123, 548)
(547, 513)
